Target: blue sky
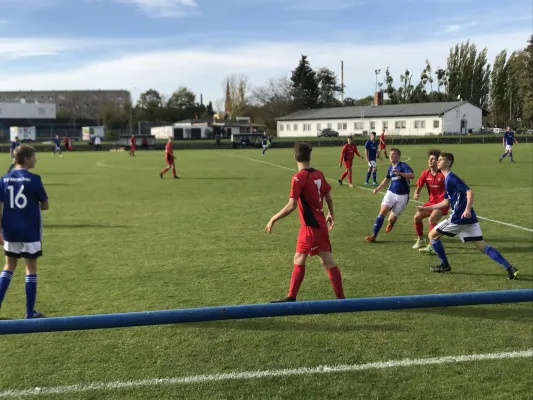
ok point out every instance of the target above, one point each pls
(138, 44)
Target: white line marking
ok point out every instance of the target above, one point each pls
(323, 369)
(370, 190)
(101, 164)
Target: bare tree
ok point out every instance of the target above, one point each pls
(236, 93)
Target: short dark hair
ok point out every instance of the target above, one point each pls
(434, 152)
(373, 133)
(22, 152)
(302, 152)
(396, 150)
(449, 157)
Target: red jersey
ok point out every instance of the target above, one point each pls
(309, 186)
(169, 153)
(348, 151)
(434, 183)
(382, 139)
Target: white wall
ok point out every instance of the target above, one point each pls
(162, 132)
(28, 110)
(472, 114)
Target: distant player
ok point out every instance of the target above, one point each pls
(57, 146)
(14, 145)
(508, 141)
(66, 140)
(22, 197)
(433, 180)
(347, 155)
(309, 187)
(132, 145)
(463, 220)
(397, 196)
(170, 159)
(371, 150)
(264, 143)
(382, 144)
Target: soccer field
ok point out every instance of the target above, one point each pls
(117, 238)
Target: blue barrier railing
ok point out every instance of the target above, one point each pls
(104, 321)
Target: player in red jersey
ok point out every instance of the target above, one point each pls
(347, 155)
(309, 187)
(169, 157)
(382, 145)
(132, 145)
(434, 180)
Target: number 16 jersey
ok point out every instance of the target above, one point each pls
(21, 193)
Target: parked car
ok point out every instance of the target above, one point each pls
(328, 132)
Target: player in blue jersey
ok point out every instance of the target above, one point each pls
(57, 144)
(371, 151)
(14, 145)
(397, 196)
(463, 220)
(264, 144)
(22, 197)
(508, 141)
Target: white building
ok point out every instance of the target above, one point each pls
(27, 111)
(416, 119)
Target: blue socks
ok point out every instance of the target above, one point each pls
(496, 256)
(374, 175)
(31, 293)
(378, 224)
(367, 176)
(511, 155)
(5, 280)
(439, 249)
(503, 156)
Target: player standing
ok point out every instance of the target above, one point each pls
(170, 159)
(309, 187)
(382, 144)
(132, 145)
(22, 197)
(371, 152)
(347, 155)
(57, 148)
(264, 143)
(508, 141)
(14, 145)
(433, 179)
(397, 195)
(462, 222)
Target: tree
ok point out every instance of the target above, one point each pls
(499, 88)
(182, 98)
(209, 109)
(150, 104)
(442, 80)
(348, 102)
(405, 92)
(392, 93)
(527, 111)
(305, 91)
(237, 88)
(275, 96)
(328, 88)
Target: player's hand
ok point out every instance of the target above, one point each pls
(375, 190)
(422, 208)
(467, 214)
(269, 226)
(397, 172)
(330, 221)
(416, 196)
(340, 165)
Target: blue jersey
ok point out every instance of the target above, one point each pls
(372, 148)
(56, 141)
(509, 138)
(21, 193)
(399, 184)
(456, 190)
(264, 140)
(14, 145)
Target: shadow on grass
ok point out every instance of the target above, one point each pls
(68, 226)
(62, 173)
(501, 275)
(59, 184)
(523, 315)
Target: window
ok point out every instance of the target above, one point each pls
(339, 125)
(385, 124)
(307, 127)
(399, 124)
(281, 127)
(358, 125)
(420, 124)
(288, 127)
(344, 125)
(372, 125)
(436, 123)
(318, 127)
(295, 127)
(329, 125)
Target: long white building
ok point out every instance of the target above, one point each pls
(415, 119)
(27, 111)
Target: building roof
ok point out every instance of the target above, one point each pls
(389, 110)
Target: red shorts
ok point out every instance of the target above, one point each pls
(312, 241)
(444, 211)
(170, 161)
(132, 148)
(348, 163)
(382, 146)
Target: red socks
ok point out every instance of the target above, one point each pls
(344, 175)
(336, 281)
(350, 177)
(297, 278)
(419, 228)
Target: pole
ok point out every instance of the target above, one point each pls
(510, 108)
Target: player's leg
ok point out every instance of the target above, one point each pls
(368, 173)
(174, 171)
(504, 154)
(443, 228)
(434, 219)
(378, 223)
(344, 175)
(6, 275)
(419, 228)
(349, 171)
(511, 154)
(31, 287)
(164, 170)
(334, 274)
(400, 202)
(374, 171)
(385, 152)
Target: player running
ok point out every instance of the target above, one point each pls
(14, 145)
(132, 145)
(433, 180)
(462, 222)
(347, 155)
(170, 159)
(57, 148)
(508, 141)
(264, 143)
(22, 197)
(309, 187)
(397, 196)
(371, 152)
(382, 144)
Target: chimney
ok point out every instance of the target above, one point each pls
(201, 99)
(378, 98)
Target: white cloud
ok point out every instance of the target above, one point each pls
(203, 70)
(163, 8)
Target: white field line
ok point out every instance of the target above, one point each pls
(370, 190)
(324, 369)
(102, 164)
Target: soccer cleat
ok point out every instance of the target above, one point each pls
(389, 227)
(500, 160)
(161, 175)
(367, 183)
(428, 249)
(420, 242)
(340, 182)
(441, 268)
(513, 273)
(370, 238)
(350, 185)
(176, 177)
(34, 314)
(375, 184)
(285, 300)
(513, 161)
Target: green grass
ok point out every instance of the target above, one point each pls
(118, 239)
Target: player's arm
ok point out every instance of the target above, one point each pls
(418, 189)
(443, 204)
(384, 182)
(285, 211)
(45, 205)
(342, 156)
(366, 154)
(357, 152)
(330, 217)
(469, 204)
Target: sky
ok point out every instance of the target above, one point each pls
(164, 44)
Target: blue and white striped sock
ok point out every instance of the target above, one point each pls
(5, 280)
(31, 293)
